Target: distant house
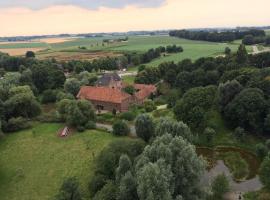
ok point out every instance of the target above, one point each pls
(108, 94)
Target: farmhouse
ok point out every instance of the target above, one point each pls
(108, 95)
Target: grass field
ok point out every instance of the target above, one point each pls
(33, 165)
(267, 32)
(192, 49)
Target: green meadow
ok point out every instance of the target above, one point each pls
(35, 162)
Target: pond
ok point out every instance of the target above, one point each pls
(216, 167)
(212, 155)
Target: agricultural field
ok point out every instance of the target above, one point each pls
(34, 162)
(64, 49)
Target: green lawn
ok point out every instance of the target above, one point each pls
(33, 166)
(128, 79)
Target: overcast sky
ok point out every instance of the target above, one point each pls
(31, 17)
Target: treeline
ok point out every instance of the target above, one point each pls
(138, 58)
(250, 40)
(239, 83)
(227, 36)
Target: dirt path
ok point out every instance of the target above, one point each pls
(257, 51)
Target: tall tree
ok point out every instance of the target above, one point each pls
(242, 55)
(69, 190)
(144, 126)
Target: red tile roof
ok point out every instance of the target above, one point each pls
(144, 91)
(104, 94)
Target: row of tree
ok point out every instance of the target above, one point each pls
(216, 36)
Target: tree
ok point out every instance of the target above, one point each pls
(227, 91)
(248, 40)
(76, 113)
(154, 181)
(144, 126)
(127, 188)
(227, 51)
(242, 55)
(108, 192)
(159, 175)
(247, 109)
(174, 128)
(195, 103)
(125, 165)
(72, 86)
(261, 150)
(265, 172)
(21, 103)
(220, 186)
(69, 190)
(120, 128)
(149, 105)
(30, 54)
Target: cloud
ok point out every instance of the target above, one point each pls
(91, 4)
(173, 14)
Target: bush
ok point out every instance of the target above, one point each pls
(120, 128)
(209, 134)
(220, 186)
(16, 124)
(62, 95)
(129, 116)
(69, 190)
(90, 125)
(48, 96)
(237, 165)
(81, 128)
(149, 106)
(261, 150)
(265, 172)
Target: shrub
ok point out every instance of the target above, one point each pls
(129, 116)
(237, 165)
(149, 106)
(81, 128)
(69, 190)
(120, 128)
(261, 150)
(16, 124)
(220, 186)
(90, 125)
(265, 172)
(209, 134)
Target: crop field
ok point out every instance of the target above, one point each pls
(34, 162)
(20, 51)
(64, 49)
(68, 56)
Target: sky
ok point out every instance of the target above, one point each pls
(40, 17)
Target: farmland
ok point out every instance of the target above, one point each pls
(68, 49)
(35, 162)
